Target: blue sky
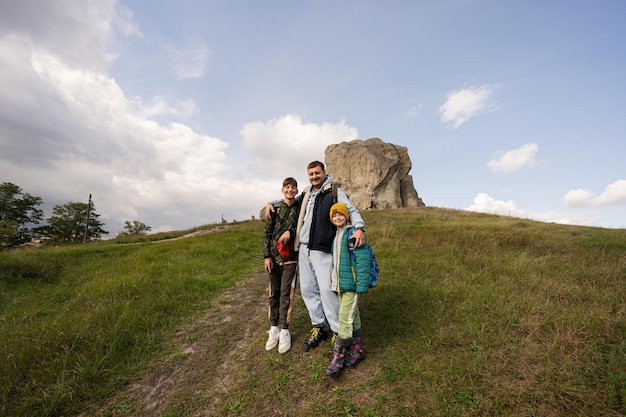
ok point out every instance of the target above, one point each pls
(178, 113)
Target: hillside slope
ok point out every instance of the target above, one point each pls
(474, 315)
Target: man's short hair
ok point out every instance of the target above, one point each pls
(316, 164)
(290, 181)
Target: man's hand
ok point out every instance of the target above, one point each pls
(269, 209)
(359, 238)
(269, 265)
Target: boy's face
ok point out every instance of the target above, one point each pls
(316, 176)
(339, 220)
(290, 191)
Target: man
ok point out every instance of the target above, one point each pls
(314, 238)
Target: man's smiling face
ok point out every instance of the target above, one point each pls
(316, 176)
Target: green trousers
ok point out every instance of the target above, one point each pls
(349, 316)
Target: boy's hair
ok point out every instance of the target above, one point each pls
(290, 181)
(316, 164)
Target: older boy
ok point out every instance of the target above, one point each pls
(280, 263)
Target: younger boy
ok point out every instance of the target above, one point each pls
(350, 277)
(280, 262)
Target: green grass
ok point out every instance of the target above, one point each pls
(75, 322)
(473, 315)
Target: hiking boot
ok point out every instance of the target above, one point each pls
(337, 362)
(318, 335)
(284, 341)
(272, 339)
(356, 352)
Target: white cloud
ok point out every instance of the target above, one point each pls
(614, 194)
(190, 60)
(124, 22)
(577, 198)
(160, 106)
(103, 141)
(462, 105)
(69, 130)
(53, 25)
(578, 218)
(483, 203)
(105, 128)
(515, 159)
(73, 132)
(284, 146)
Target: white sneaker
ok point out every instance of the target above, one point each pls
(284, 343)
(272, 339)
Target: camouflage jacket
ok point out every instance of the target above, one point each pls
(284, 218)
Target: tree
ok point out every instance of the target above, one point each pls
(135, 228)
(69, 221)
(18, 210)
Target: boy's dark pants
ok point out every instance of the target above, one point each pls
(281, 293)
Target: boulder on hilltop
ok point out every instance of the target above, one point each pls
(374, 174)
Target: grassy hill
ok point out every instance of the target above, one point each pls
(474, 315)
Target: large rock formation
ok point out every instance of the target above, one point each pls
(373, 173)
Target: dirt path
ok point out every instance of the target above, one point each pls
(196, 233)
(214, 358)
(211, 353)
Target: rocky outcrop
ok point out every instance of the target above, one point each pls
(374, 174)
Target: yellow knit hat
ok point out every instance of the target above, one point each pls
(339, 208)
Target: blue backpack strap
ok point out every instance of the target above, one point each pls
(374, 268)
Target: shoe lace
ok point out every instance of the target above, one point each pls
(315, 331)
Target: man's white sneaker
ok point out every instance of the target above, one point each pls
(272, 339)
(284, 341)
